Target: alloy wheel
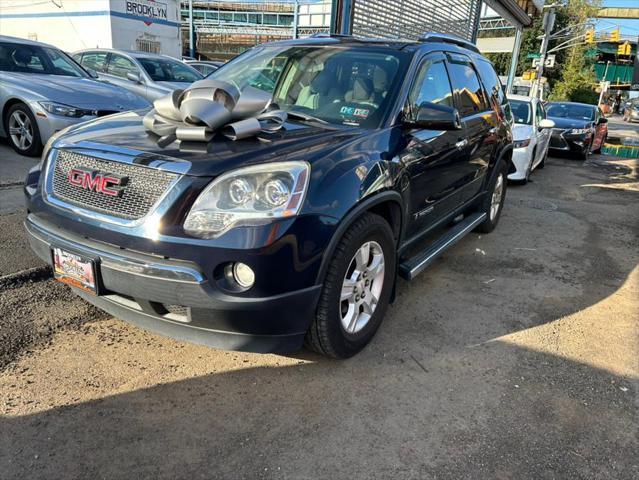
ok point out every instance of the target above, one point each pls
(20, 130)
(495, 201)
(362, 287)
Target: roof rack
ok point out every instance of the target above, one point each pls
(328, 35)
(447, 38)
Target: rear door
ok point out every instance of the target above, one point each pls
(480, 122)
(432, 157)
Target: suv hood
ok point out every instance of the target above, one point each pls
(124, 134)
(78, 92)
(561, 122)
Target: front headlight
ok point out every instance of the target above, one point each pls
(579, 131)
(249, 196)
(65, 110)
(521, 143)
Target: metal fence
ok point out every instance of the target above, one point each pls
(411, 18)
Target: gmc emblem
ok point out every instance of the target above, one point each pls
(99, 182)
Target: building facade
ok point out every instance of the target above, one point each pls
(147, 25)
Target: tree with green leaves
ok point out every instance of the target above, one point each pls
(577, 73)
(573, 77)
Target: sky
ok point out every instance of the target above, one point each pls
(627, 27)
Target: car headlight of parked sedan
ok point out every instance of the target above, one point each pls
(66, 110)
(521, 143)
(249, 196)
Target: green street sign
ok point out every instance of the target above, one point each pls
(533, 55)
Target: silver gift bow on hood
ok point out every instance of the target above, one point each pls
(195, 114)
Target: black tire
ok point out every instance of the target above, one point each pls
(326, 335)
(603, 140)
(529, 169)
(542, 164)
(583, 155)
(491, 222)
(35, 146)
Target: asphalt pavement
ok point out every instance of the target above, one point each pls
(516, 355)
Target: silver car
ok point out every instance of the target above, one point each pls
(42, 91)
(146, 74)
(205, 67)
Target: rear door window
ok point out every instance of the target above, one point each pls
(471, 97)
(95, 61)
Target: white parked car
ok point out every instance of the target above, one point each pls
(531, 136)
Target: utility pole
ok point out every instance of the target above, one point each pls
(191, 46)
(514, 60)
(296, 21)
(547, 24)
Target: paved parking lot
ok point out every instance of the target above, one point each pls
(515, 356)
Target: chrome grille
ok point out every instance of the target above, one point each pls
(142, 191)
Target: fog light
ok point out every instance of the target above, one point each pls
(243, 275)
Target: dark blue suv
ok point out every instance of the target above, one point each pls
(291, 236)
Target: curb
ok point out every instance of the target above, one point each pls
(30, 275)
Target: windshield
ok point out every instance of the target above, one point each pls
(342, 86)
(15, 57)
(166, 70)
(566, 110)
(521, 111)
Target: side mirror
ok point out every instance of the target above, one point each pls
(92, 73)
(431, 116)
(134, 77)
(546, 123)
(602, 120)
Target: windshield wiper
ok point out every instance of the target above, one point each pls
(304, 116)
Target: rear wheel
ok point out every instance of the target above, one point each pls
(494, 201)
(22, 130)
(356, 290)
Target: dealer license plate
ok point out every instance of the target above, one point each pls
(74, 270)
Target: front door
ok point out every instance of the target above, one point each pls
(543, 134)
(434, 159)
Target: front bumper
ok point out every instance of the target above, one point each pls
(521, 161)
(175, 298)
(562, 140)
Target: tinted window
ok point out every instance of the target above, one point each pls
(432, 85)
(95, 61)
(521, 112)
(567, 110)
(167, 70)
(470, 94)
(120, 66)
(491, 81)
(346, 86)
(539, 114)
(15, 57)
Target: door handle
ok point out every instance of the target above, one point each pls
(461, 144)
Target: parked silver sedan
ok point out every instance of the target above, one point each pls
(42, 91)
(146, 74)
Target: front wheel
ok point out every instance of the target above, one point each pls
(22, 130)
(494, 201)
(356, 290)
